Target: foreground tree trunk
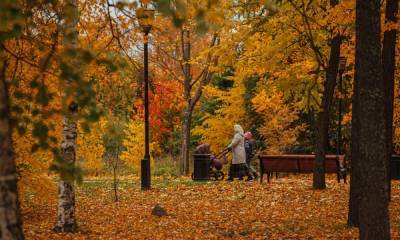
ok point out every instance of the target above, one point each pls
(323, 115)
(66, 194)
(10, 216)
(369, 96)
(389, 66)
(355, 180)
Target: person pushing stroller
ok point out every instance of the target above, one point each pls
(238, 168)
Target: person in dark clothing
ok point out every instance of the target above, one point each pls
(248, 146)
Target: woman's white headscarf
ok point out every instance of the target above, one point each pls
(238, 129)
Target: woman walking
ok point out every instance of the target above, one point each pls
(238, 168)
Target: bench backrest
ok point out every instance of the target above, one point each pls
(297, 163)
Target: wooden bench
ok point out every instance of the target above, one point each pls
(300, 164)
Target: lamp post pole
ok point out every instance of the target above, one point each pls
(145, 18)
(145, 163)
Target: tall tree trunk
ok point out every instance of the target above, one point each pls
(355, 180)
(389, 66)
(369, 111)
(191, 100)
(66, 195)
(10, 216)
(187, 117)
(323, 115)
(186, 140)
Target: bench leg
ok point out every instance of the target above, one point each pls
(338, 176)
(261, 177)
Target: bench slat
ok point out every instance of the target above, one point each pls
(295, 163)
(281, 166)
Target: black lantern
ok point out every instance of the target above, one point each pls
(145, 18)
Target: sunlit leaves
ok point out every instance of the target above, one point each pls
(217, 128)
(134, 144)
(278, 118)
(48, 75)
(201, 22)
(11, 19)
(174, 8)
(271, 5)
(189, 12)
(90, 148)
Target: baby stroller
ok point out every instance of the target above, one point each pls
(217, 161)
(217, 164)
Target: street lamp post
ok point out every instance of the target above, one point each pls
(145, 18)
(342, 68)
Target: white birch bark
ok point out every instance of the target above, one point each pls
(66, 194)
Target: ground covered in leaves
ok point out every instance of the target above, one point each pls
(287, 208)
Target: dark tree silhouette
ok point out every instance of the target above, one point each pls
(369, 155)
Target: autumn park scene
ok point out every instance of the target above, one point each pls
(199, 119)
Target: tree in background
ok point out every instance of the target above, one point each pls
(191, 99)
(216, 128)
(389, 73)
(134, 144)
(113, 143)
(323, 116)
(90, 147)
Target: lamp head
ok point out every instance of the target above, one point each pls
(146, 18)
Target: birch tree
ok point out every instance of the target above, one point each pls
(66, 194)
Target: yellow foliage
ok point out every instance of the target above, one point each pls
(217, 129)
(278, 117)
(134, 144)
(90, 148)
(34, 181)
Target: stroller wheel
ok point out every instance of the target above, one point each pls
(219, 175)
(213, 175)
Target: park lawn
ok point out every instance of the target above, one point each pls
(287, 208)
